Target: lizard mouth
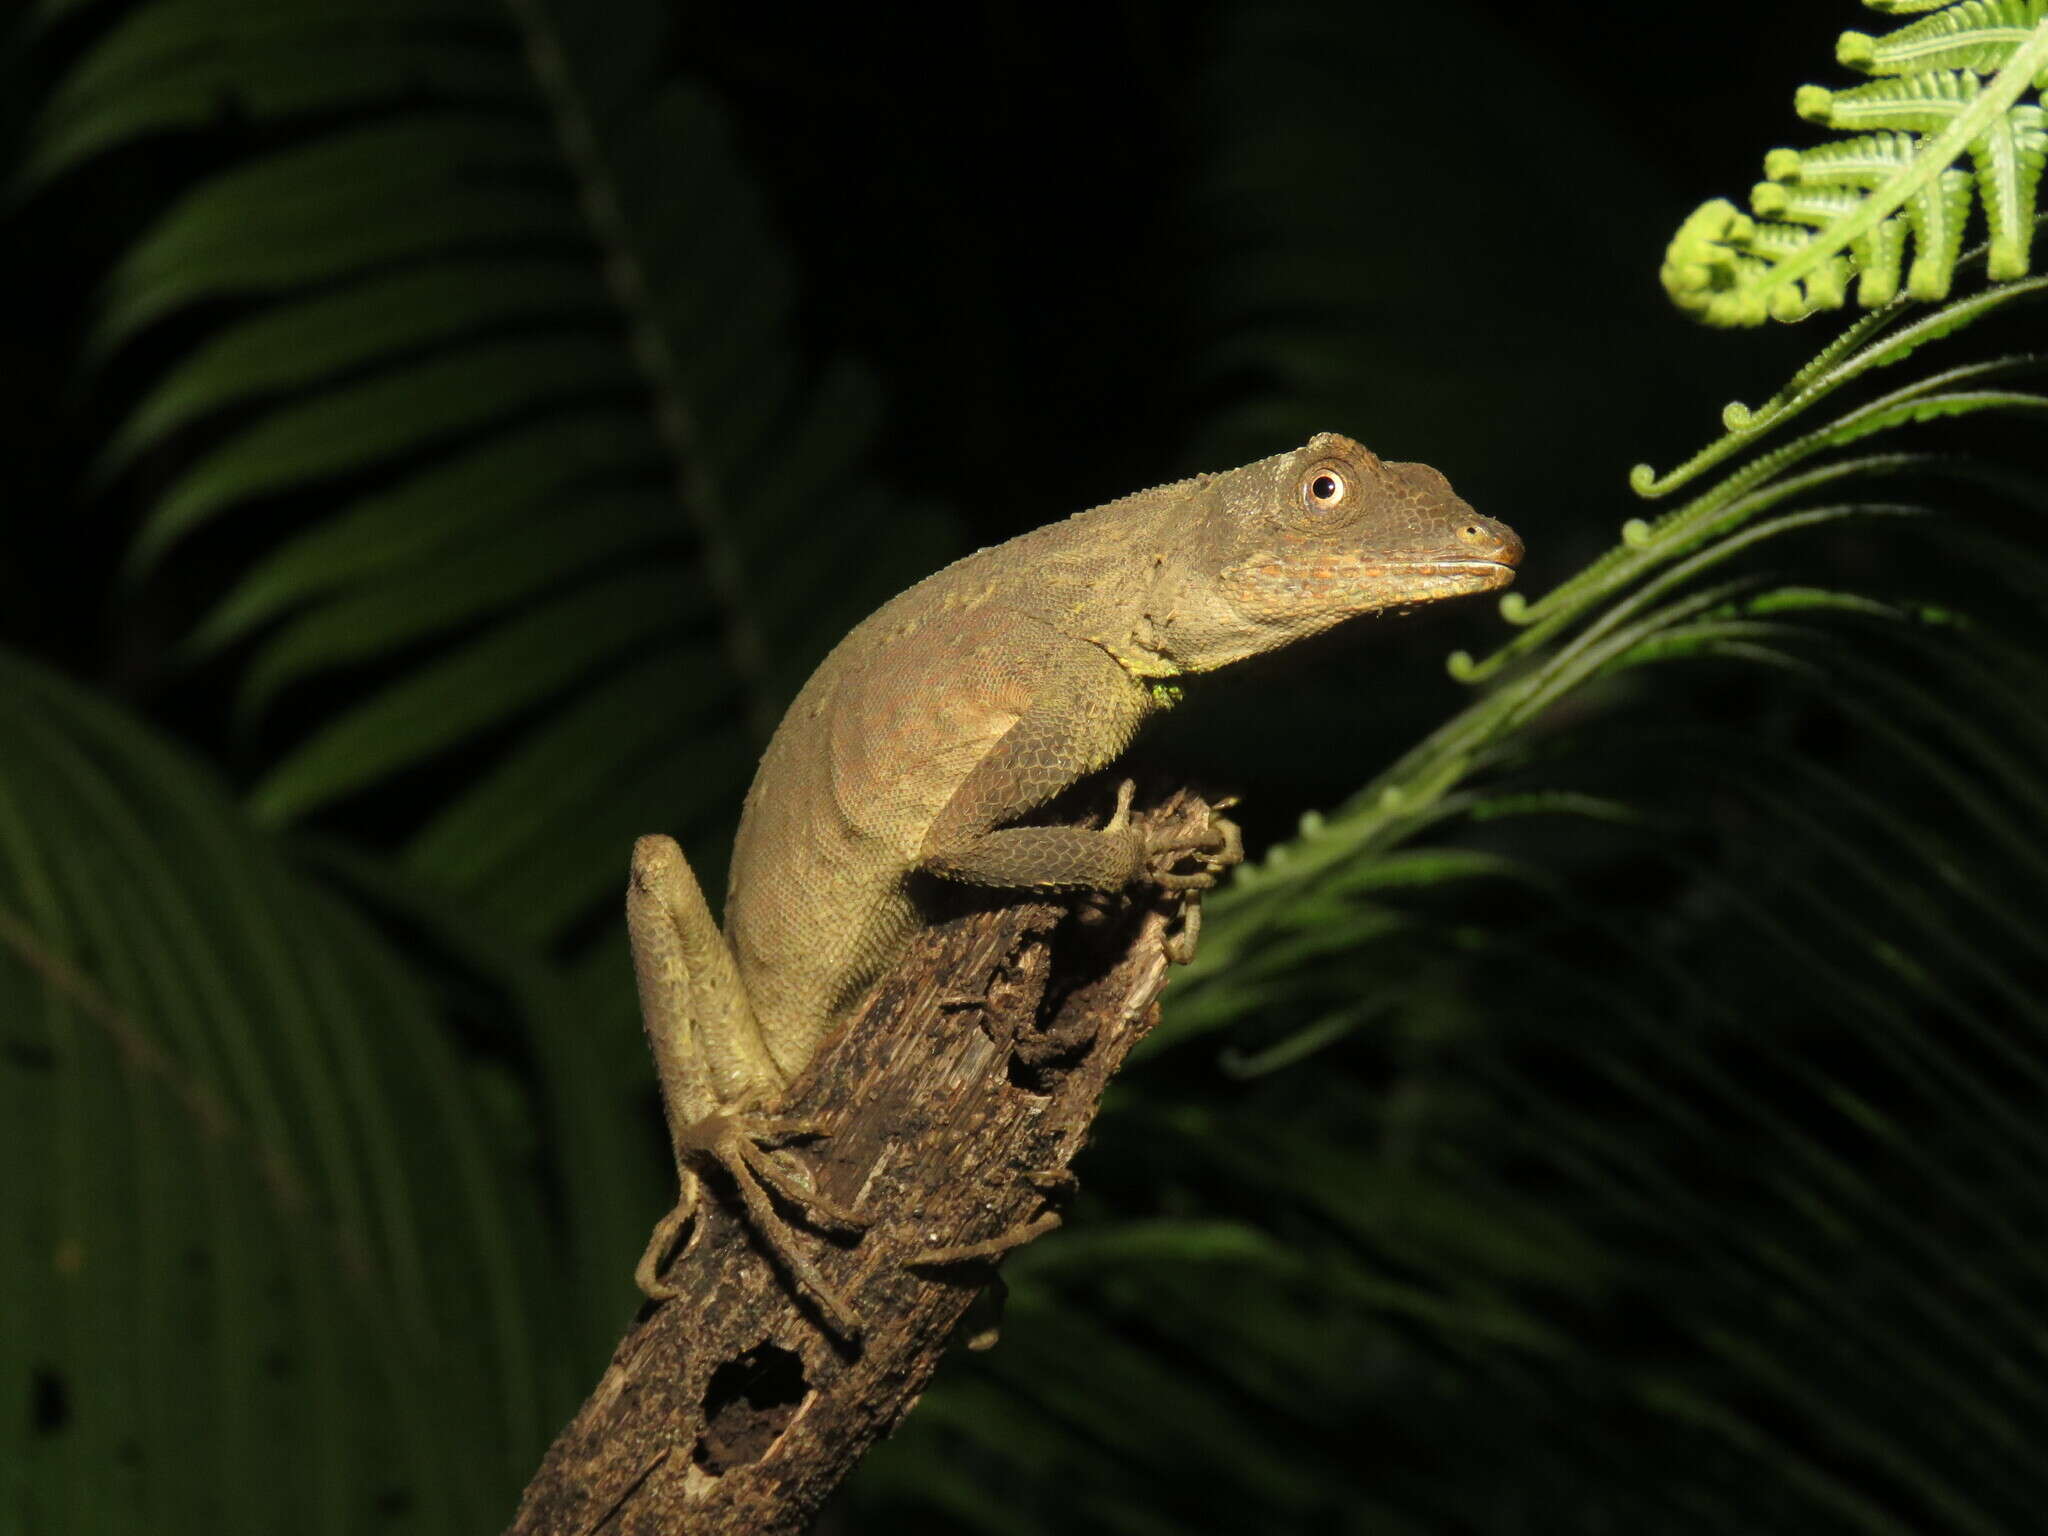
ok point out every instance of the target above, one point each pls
(1451, 577)
(1269, 590)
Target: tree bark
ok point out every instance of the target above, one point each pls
(958, 1094)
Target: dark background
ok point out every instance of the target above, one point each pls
(1016, 221)
(1686, 1178)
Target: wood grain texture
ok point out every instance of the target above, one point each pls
(958, 1095)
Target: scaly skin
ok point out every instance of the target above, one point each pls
(960, 706)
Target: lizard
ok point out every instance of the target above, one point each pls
(960, 706)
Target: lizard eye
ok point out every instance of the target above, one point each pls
(1324, 489)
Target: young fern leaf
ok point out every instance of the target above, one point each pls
(1948, 86)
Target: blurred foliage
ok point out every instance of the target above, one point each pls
(1620, 1113)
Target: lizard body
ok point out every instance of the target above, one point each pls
(964, 704)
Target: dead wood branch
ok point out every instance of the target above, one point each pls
(958, 1095)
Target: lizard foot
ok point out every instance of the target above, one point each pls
(1213, 841)
(1215, 844)
(745, 1147)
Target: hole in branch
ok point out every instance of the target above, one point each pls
(747, 1405)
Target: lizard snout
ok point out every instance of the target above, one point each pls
(1490, 540)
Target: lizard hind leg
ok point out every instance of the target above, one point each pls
(715, 1073)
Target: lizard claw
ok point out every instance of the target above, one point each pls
(1052, 1185)
(1179, 942)
(661, 1243)
(1120, 818)
(989, 1248)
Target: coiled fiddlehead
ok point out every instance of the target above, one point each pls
(1948, 86)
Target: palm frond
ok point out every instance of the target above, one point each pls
(492, 394)
(266, 1265)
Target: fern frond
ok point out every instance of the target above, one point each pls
(1762, 483)
(1842, 1001)
(1644, 603)
(1951, 86)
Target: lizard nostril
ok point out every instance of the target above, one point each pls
(1492, 541)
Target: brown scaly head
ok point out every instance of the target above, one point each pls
(1287, 547)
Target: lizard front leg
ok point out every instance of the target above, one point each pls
(715, 1075)
(1082, 716)
(1081, 720)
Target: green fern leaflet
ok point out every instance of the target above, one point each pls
(1946, 87)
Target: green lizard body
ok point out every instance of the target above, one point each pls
(964, 704)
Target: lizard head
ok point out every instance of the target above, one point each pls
(1289, 546)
